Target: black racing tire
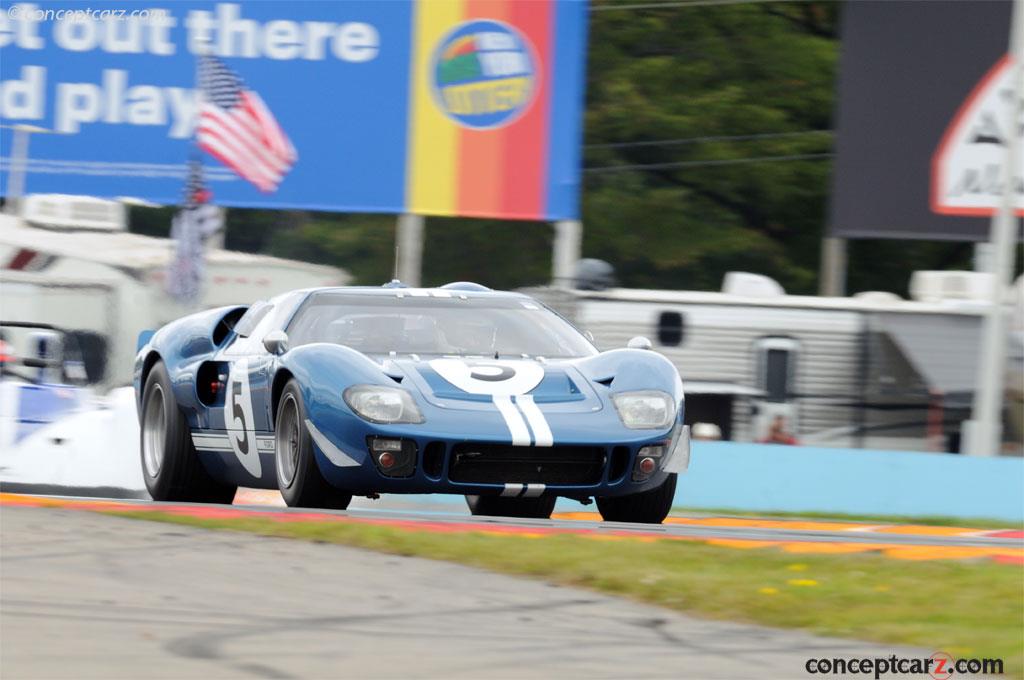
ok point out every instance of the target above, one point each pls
(170, 465)
(298, 477)
(649, 507)
(500, 506)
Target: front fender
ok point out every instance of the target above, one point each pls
(323, 371)
(624, 370)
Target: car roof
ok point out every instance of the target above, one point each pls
(403, 291)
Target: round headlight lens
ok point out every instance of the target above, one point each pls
(380, 404)
(645, 410)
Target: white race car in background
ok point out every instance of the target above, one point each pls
(55, 431)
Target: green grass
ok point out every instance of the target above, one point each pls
(971, 609)
(887, 519)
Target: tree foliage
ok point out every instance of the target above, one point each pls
(707, 149)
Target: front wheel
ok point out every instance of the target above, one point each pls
(499, 506)
(648, 507)
(298, 476)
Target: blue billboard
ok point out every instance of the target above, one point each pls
(354, 85)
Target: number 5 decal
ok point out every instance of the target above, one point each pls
(238, 418)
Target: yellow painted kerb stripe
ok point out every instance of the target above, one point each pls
(433, 138)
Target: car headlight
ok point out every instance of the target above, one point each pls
(645, 410)
(380, 404)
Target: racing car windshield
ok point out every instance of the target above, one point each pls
(470, 326)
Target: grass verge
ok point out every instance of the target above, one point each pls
(968, 609)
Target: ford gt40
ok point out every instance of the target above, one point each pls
(331, 392)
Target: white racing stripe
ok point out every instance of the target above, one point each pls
(523, 490)
(211, 442)
(512, 490)
(220, 441)
(514, 421)
(538, 423)
(534, 490)
(333, 453)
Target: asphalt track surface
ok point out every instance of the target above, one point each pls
(88, 595)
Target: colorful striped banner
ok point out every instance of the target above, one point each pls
(482, 110)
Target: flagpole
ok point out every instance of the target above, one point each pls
(195, 153)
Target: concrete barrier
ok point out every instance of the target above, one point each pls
(764, 477)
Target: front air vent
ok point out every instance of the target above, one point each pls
(484, 463)
(619, 463)
(433, 460)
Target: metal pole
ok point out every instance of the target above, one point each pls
(832, 278)
(982, 435)
(19, 163)
(566, 253)
(409, 242)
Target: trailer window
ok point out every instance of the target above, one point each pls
(775, 365)
(670, 329)
(776, 373)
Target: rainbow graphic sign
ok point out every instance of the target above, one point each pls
(495, 121)
(484, 74)
(437, 107)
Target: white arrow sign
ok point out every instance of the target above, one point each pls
(968, 168)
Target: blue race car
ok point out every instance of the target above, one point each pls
(331, 392)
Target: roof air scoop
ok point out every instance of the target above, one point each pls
(464, 285)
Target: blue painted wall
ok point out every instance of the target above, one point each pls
(762, 477)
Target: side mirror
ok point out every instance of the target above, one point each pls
(276, 342)
(639, 342)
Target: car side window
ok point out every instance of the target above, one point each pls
(250, 329)
(252, 317)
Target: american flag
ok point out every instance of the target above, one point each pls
(237, 128)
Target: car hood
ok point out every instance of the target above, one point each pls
(472, 383)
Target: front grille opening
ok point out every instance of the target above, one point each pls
(433, 460)
(480, 463)
(619, 463)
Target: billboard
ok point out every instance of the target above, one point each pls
(438, 107)
(922, 119)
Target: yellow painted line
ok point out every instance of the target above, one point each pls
(584, 516)
(929, 552)
(740, 543)
(742, 522)
(797, 525)
(924, 530)
(739, 522)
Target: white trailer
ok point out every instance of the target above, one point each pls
(872, 371)
(112, 283)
